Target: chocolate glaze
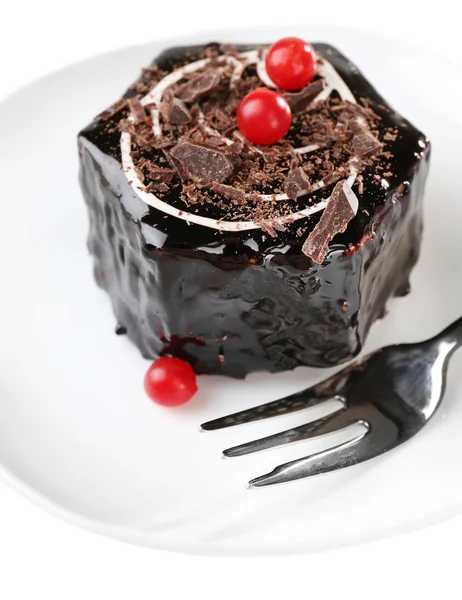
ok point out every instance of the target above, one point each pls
(233, 303)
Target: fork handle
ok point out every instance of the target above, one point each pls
(452, 334)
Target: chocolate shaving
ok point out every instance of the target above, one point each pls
(332, 177)
(158, 173)
(216, 141)
(294, 160)
(154, 186)
(267, 226)
(137, 110)
(229, 130)
(341, 208)
(390, 136)
(166, 105)
(138, 138)
(364, 143)
(198, 86)
(222, 117)
(357, 110)
(207, 164)
(296, 182)
(299, 101)
(230, 192)
(162, 142)
(141, 141)
(139, 174)
(237, 146)
(179, 114)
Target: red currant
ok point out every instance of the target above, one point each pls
(264, 116)
(291, 63)
(170, 381)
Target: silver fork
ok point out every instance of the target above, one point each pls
(393, 393)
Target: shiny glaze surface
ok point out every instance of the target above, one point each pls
(236, 303)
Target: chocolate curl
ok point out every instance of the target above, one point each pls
(137, 110)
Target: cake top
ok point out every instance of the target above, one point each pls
(187, 150)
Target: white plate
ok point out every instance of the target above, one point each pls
(77, 434)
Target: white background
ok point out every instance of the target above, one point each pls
(42, 557)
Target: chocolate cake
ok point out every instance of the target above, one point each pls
(238, 257)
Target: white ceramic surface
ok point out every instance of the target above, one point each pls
(77, 434)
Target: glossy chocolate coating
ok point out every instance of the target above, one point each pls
(233, 303)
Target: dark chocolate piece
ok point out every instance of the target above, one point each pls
(199, 85)
(176, 166)
(176, 112)
(364, 143)
(179, 114)
(299, 101)
(296, 181)
(341, 209)
(206, 164)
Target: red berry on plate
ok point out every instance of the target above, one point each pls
(264, 116)
(291, 63)
(170, 381)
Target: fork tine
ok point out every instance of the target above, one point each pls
(338, 457)
(329, 424)
(283, 406)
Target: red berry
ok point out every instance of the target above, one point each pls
(291, 63)
(264, 116)
(170, 381)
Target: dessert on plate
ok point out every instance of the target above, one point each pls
(252, 209)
